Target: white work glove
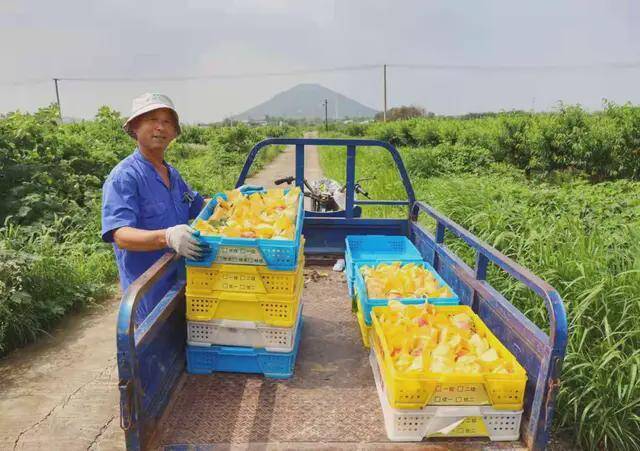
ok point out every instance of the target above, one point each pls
(183, 239)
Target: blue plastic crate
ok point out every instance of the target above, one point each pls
(235, 359)
(368, 304)
(281, 255)
(374, 249)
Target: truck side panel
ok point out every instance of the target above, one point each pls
(151, 358)
(533, 348)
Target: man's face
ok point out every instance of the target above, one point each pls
(156, 129)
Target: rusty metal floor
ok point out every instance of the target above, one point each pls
(331, 401)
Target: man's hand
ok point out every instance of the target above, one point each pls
(183, 239)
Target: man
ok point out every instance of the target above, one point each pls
(145, 202)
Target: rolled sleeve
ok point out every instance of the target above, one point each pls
(119, 205)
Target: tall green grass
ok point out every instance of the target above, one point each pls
(42, 277)
(583, 239)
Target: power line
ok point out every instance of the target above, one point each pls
(26, 82)
(509, 67)
(434, 67)
(225, 76)
(194, 77)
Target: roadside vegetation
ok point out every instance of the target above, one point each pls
(52, 260)
(559, 193)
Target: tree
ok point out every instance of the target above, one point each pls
(403, 112)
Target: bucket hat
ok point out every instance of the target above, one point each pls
(149, 102)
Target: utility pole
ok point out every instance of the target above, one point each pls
(55, 80)
(326, 121)
(384, 114)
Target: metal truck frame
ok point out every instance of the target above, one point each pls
(151, 357)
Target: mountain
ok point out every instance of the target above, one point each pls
(306, 101)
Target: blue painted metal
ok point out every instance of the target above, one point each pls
(151, 358)
(353, 143)
(357, 212)
(299, 166)
(482, 264)
(541, 355)
(381, 202)
(351, 179)
(325, 236)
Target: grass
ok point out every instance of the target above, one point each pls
(584, 239)
(47, 275)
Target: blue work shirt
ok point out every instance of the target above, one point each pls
(134, 195)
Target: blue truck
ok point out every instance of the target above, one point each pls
(331, 400)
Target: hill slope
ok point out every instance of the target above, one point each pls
(305, 101)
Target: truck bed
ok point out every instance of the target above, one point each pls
(331, 401)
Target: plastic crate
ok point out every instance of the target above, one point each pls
(460, 421)
(235, 359)
(364, 329)
(242, 333)
(376, 248)
(220, 277)
(501, 391)
(368, 304)
(277, 307)
(280, 255)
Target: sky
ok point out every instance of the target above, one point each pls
(578, 43)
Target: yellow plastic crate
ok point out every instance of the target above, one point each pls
(245, 279)
(271, 308)
(364, 329)
(501, 391)
(445, 421)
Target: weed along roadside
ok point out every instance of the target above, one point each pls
(576, 228)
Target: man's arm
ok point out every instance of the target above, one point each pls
(133, 239)
(181, 238)
(120, 216)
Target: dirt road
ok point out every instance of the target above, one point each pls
(61, 392)
(284, 166)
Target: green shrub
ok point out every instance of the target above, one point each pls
(603, 145)
(446, 159)
(51, 257)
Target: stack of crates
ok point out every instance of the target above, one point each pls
(447, 405)
(244, 311)
(372, 250)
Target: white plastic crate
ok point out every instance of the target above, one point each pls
(445, 421)
(224, 332)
